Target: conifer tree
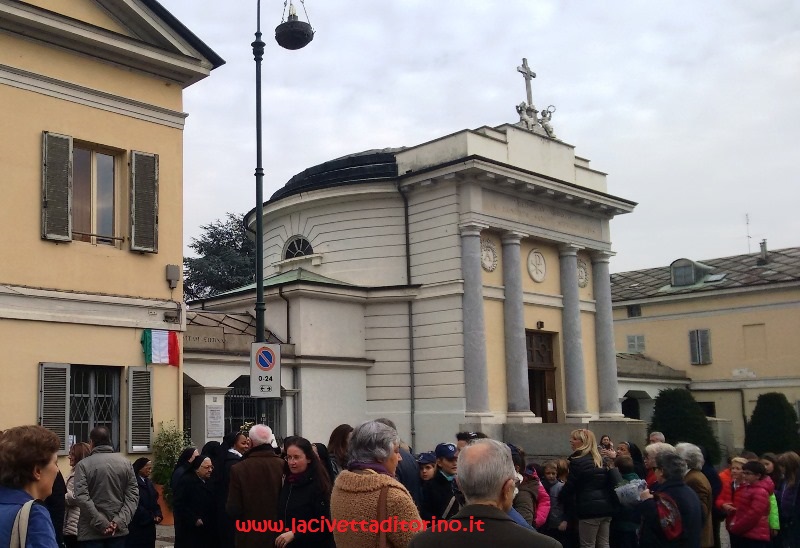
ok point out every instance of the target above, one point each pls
(681, 419)
(773, 426)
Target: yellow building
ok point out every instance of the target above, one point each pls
(91, 214)
(731, 323)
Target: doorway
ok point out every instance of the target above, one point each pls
(541, 375)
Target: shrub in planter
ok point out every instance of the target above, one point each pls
(773, 426)
(167, 447)
(681, 419)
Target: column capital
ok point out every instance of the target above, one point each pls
(513, 237)
(568, 249)
(471, 228)
(601, 255)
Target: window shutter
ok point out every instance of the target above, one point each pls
(140, 410)
(631, 344)
(144, 202)
(56, 187)
(705, 346)
(54, 401)
(695, 358)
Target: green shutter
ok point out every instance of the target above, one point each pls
(56, 187)
(140, 410)
(144, 202)
(54, 401)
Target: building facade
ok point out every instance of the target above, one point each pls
(730, 323)
(460, 281)
(91, 216)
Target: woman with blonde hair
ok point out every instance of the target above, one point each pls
(586, 495)
(77, 453)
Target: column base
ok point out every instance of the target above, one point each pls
(522, 417)
(612, 417)
(579, 418)
(478, 421)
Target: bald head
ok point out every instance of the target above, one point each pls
(484, 469)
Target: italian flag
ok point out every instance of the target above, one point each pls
(161, 346)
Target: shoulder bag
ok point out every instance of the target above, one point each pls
(19, 534)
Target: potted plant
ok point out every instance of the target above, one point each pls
(170, 441)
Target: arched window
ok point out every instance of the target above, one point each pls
(297, 247)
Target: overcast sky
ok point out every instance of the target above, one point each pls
(692, 108)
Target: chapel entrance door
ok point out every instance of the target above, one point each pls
(541, 375)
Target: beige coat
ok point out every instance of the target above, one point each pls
(72, 509)
(355, 497)
(700, 485)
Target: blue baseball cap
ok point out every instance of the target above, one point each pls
(446, 451)
(426, 458)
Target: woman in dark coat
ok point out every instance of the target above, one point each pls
(142, 529)
(586, 495)
(305, 495)
(194, 506)
(184, 463)
(230, 452)
(670, 470)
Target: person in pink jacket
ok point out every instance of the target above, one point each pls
(749, 524)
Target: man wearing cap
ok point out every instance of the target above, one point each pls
(440, 495)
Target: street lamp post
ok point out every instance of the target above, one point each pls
(291, 34)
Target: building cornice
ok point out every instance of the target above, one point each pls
(746, 384)
(707, 313)
(48, 305)
(709, 294)
(92, 98)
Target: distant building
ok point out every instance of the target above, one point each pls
(460, 281)
(731, 324)
(91, 215)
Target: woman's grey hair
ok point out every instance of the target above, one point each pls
(673, 467)
(373, 441)
(655, 449)
(484, 466)
(691, 454)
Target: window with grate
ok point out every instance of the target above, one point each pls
(240, 408)
(634, 310)
(297, 247)
(700, 346)
(93, 401)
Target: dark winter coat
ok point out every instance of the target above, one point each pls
(253, 493)
(436, 495)
(226, 526)
(691, 517)
(408, 474)
(587, 493)
(40, 528)
(142, 530)
(302, 500)
(193, 500)
(56, 505)
(751, 519)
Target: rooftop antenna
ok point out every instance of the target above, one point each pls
(747, 222)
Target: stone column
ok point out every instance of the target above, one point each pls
(476, 383)
(574, 374)
(607, 384)
(519, 405)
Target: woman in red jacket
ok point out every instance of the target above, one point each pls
(749, 524)
(731, 481)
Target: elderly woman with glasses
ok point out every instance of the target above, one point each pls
(373, 456)
(671, 488)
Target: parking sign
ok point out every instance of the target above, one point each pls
(265, 370)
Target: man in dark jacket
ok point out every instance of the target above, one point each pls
(407, 470)
(440, 495)
(254, 487)
(487, 478)
(670, 470)
(56, 505)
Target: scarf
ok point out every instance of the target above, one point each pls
(374, 466)
(296, 477)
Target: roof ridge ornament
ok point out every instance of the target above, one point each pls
(528, 115)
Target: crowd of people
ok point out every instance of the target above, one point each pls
(366, 488)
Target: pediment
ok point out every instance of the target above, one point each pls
(139, 34)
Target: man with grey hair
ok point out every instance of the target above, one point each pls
(698, 482)
(255, 483)
(656, 437)
(488, 480)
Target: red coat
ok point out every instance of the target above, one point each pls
(751, 519)
(726, 495)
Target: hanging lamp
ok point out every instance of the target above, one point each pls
(294, 33)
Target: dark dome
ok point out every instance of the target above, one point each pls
(363, 167)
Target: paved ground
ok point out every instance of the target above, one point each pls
(165, 536)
